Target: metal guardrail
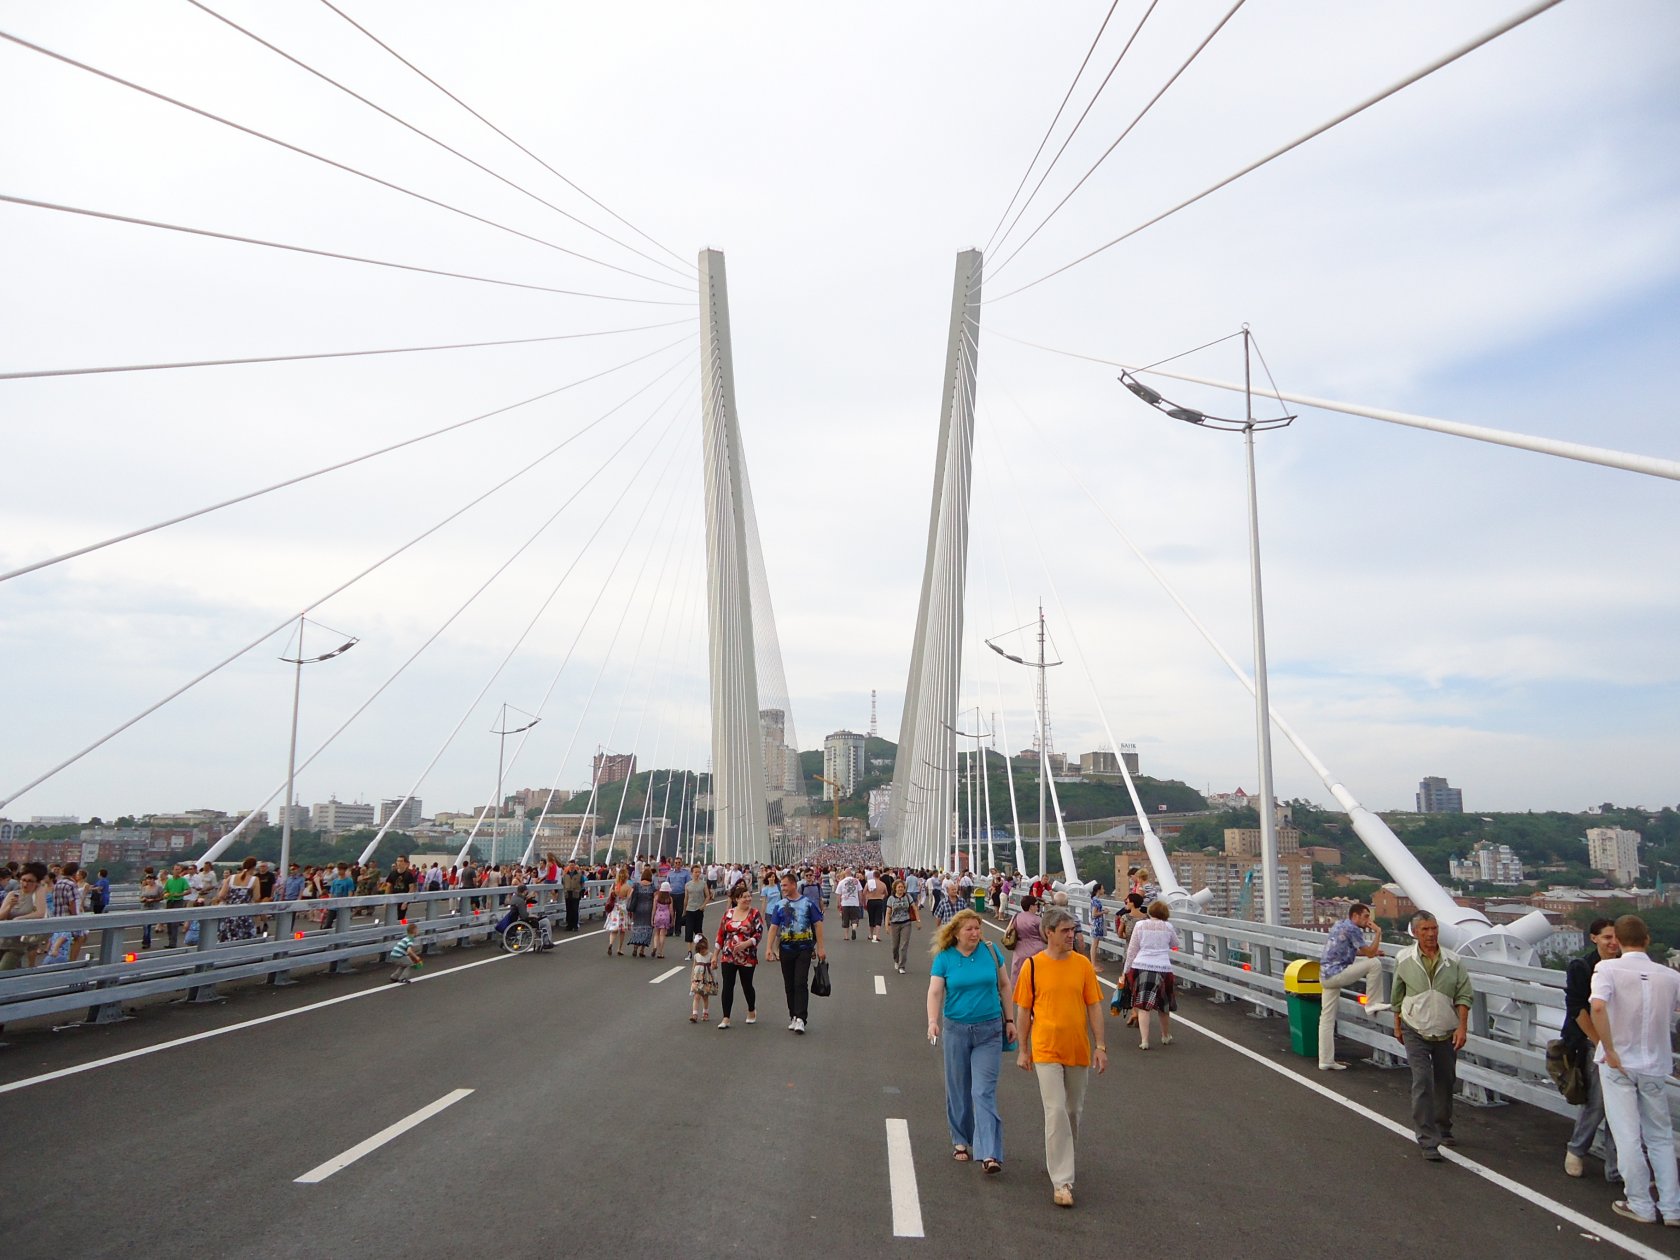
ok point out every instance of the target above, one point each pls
(116, 970)
(1515, 1012)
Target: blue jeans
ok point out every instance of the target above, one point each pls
(973, 1053)
(1637, 1108)
(1590, 1121)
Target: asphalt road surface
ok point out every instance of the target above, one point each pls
(601, 1123)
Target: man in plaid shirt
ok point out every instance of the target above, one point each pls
(65, 898)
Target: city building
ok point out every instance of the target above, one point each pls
(541, 798)
(781, 763)
(1325, 854)
(1103, 761)
(1435, 796)
(1244, 842)
(1235, 883)
(1058, 762)
(612, 767)
(401, 815)
(300, 817)
(842, 763)
(337, 817)
(10, 830)
(1488, 863)
(1391, 902)
(1614, 850)
(1228, 800)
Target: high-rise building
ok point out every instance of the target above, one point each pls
(336, 816)
(407, 813)
(1614, 850)
(300, 817)
(843, 763)
(1434, 796)
(1236, 882)
(613, 767)
(1488, 863)
(1244, 842)
(781, 763)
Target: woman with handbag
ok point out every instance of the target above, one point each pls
(901, 915)
(618, 914)
(796, 936)
(1025, 935)
(968, 1004)
(1149, 972)
(737, 938)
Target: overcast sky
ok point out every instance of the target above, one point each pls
(1499, 244)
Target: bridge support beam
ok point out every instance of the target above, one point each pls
(920, 815)
(740, 818)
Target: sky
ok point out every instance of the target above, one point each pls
(1498, 244)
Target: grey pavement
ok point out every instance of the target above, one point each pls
(602, 1122)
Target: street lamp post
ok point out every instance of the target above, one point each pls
(502, 733)
(297, 663)
(1270, 910)
(1043, 716)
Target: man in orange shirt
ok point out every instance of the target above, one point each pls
(1059, 1007)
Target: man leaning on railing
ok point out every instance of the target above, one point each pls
(1348, 958)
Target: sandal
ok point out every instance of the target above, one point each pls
(992, 1166)
(960, 1154)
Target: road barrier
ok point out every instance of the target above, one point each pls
(114, 969)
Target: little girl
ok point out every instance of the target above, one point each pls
(703, 981)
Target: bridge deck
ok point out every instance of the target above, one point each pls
(602, 1121)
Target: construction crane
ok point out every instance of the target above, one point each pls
(837, 789)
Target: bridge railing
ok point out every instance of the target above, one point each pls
(1515, 1012)
(115, 969)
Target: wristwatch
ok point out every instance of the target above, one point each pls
(1104, 1049)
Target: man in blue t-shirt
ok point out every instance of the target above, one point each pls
(796, 935)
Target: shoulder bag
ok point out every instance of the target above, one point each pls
(820, 985)
(1011, 938)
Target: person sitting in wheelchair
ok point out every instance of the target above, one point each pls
(518, 911)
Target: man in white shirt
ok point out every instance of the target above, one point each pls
(1634, 1002)
(850, 892)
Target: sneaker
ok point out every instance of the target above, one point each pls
(792, 1024)
(1063, 1196)
(1338, 1066)
(722, 1024)
(1620, 1208)
(799, 1026)
(752, 1017)
(1433, 1154)
(1574, 1165)
(1377, 1008)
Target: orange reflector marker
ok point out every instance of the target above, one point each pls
(297, 936)
(404, 922)
(131, 957)
(1364, 998)
(1248, 966)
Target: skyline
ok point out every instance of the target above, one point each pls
(1499, 244)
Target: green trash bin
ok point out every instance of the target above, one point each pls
(1304, 996)
(979, 901)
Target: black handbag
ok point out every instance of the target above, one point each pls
(820, 985)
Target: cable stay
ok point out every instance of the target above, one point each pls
(302, 477)
(187, 229)
(505, 136)
(221, 845)
(286, 623)
(1050, 130)
(426, 135)
(1079, 122)
(331, 354)
(1003, 724)
(530, 625)
(1649, 465)
(318, 157)
(1531, 11)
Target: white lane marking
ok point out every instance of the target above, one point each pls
(1580, 1219)
(901, 1172)
(664, 976)
(338, 1163)
(881, 985)
(60, 1073)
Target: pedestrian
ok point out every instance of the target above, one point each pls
(874, 903)
(1099, 927)
(1349, 957)
(640, 909)
(901, 916)
(969, 1005)
(694, 900)
(65, 899)
(702, 980)
(1580, 1041)
(1059, 1006)
(571, 886)
(795, 937)
(618, 911)
(1634, 1002)
(1432, 994)
(1150, 983)
(27, 901)
(664, 917)
(405, 955)
(738, 936)
(151, 898)
(239, 888)
(849, 892)
(1025, 935)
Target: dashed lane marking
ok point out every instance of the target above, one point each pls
(901, 1173)
(663, 976)
(339, 1162)
(881, 985)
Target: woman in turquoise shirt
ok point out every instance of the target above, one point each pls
(969, 1004)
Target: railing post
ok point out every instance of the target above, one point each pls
(201, 993)
(340, 931)
(110, 954)
(281, 938)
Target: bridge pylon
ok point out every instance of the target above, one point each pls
(921, 812)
